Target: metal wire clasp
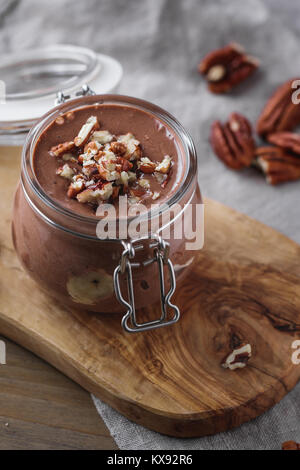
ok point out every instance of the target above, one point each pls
(161, 256)
(85, 90)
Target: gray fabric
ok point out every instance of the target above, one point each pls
(159, 43)
(267, 432)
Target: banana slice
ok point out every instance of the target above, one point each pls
(90, 287)
(179, 267)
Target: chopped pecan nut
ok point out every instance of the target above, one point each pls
(61, 149)
(144, 183)
(133, 147)
(278, 165)
(72, 193)
(164, 166)
(227, 67)
(59, 120)
(77, 185)
(90, 171)
(93, 195)
(233, 142)
(238, 358)
(146, 165)
(86, 131)
(118, 147)
(290, 445)
(125, 165)
(92, 147)
(65, 172)
(70, 116)
(108, 166)
(103, 137)
(286, 140)
(160, 177)
(280, 113)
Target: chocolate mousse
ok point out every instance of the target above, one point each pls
(97, 153)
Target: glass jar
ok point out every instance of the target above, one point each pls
(62, 251)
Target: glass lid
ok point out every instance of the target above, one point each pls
(31, 79)
(41, 72)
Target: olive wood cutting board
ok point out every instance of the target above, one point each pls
(244, 284)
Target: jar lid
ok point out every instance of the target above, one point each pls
(32, 78)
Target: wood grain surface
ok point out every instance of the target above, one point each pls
(41, 409)
(245, 283)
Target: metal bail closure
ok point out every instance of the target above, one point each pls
(161, 257)
(85, 90)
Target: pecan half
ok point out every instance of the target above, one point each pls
(233, 142)
(286, 140)
(280, 113)
(227, 67)
(290, 445)
(278, 165)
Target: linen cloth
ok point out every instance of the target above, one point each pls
(159, 43)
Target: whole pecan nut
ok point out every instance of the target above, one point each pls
(286, 140)
(278, 164)
(233, 142)
(280, 113)
(290, 445)
(226, 67)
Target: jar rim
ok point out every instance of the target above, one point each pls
(77, 103)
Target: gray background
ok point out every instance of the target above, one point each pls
(159, 43)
